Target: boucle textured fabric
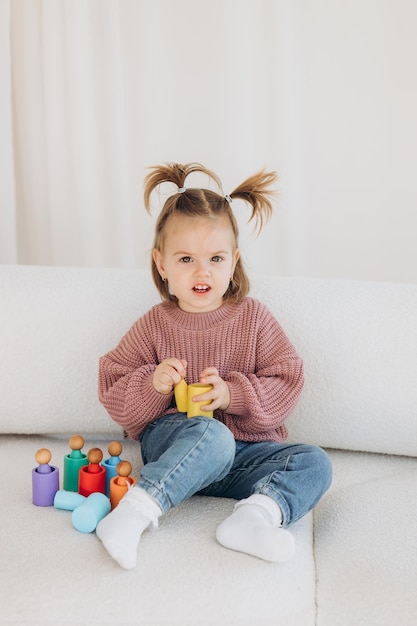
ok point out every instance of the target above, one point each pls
(243, 341)
(362, 563)
(366, 542)
(358, 342)
(54, 575)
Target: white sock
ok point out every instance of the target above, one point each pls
(121, 530)
(255, 528)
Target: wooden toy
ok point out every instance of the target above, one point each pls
(181, 396)
(72, 463)
(92, 477)
(67, 500)
(115, 450)
(45, 479)
(120, 483)
(86, 516)
(184, 398)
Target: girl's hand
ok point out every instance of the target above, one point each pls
(219, 395)
(168, 373)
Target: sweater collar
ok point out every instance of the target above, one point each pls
(199, 321)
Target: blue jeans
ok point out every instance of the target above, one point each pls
(186, 456)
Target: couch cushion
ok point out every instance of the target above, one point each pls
(57, 575)
(55, 323)
(366, 542)
(358, 341)
(359, 344)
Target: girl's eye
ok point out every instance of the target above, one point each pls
(185, 259)
(217, 258)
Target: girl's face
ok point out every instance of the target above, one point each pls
(198, 260)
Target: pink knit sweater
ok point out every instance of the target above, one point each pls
(243, 341)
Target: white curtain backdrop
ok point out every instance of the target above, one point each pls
(324, 91)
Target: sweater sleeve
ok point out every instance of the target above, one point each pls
(261, 402)
(125, 384)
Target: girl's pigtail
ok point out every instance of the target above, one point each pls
(167, 173)
(256, 191)
(173, 173)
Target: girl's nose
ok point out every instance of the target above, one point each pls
(202, 269)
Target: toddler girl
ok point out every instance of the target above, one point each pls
(208, 330)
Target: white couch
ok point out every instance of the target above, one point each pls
(356, 557)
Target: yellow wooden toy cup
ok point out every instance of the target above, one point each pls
(194, 408)
(181, 396)
(184, 398)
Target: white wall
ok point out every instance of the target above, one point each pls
(355, 91)
(324, 91)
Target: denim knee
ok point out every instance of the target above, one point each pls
(306, 478)
(320, 461)
(202, 451)
(219, 442)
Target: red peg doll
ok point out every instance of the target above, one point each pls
(92, 476)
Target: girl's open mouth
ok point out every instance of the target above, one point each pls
(201, 289)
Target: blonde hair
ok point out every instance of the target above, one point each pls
(196, 202)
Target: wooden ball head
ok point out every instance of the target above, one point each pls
(115, 448)
(124, 468)
(95, 456)
(43, 456)
(76, 442)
